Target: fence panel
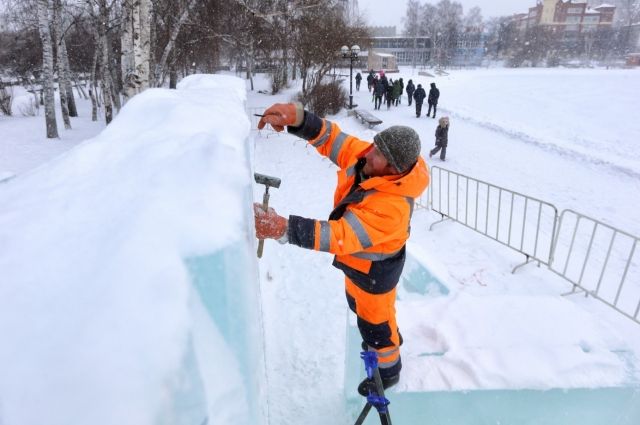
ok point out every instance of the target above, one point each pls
(518, 221)
(600, 260)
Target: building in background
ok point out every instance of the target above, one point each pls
(465, 49)
(469, 48)
(557, 31)
(406, 51)
(568, 19)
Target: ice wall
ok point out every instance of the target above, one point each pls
(128, 292)
(463, 364)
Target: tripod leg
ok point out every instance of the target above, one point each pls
(363, 414)
(385, 417)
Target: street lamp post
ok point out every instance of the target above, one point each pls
(352, 54)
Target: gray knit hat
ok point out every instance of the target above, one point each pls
(400, 145)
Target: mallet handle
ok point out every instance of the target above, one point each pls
(265, 207)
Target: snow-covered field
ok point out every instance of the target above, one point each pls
(563, 136)
(22, 142)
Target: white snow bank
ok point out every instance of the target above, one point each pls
(96, 309)
(467, 342)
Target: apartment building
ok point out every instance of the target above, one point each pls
(570, 16)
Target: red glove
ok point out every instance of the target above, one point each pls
(269, 225)
(280, 115)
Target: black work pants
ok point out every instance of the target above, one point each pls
(434, 109)
(418, 109)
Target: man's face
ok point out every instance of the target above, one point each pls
(377, 165)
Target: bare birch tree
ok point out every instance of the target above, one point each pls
(126, 49)
(71, 100)
(57, 36)
(64, 57)
(102, 46)
(92, 82)
(141, 43)
(160, 69)
(43, 11)
(135, 41)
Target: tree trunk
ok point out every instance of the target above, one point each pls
(67, 77)
(47, 69)
(126, 59)
(113, 79)
(160, 66)
(141, 34)
(250, 57)
(105, 78)
(71, 100)
(285, 49)
(79, 87)
(57, 37)
(153, 41)
(92, 82)
(115, 91)
(173, 76)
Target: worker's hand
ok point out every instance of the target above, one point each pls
(269, 225)
(280, 115)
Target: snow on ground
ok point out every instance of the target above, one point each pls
(23, 145)
(564, 136)
(494, 322)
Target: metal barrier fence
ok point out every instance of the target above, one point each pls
(522, 223)
(596, 258)
(600, 260)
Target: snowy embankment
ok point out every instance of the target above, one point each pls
(96, 306)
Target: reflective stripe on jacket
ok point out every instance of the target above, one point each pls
(369, 226)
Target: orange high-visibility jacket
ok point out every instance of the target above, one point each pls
(370, 223)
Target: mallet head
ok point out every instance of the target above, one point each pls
(268, 181)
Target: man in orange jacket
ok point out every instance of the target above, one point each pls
(369, 225)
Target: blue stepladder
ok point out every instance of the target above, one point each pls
(375, 398)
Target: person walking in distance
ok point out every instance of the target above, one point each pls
(368, 227)
(370, 78)
(358, 79)
(410, 89)
(434, 95)
(397, 92)
(419, 96)
(442, 138)
(389, 94)
(378, 92)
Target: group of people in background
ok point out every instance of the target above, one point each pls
(419, 95)
(391, 92)
(384, 90)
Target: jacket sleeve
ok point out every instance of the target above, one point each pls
(341, 148)
(359, 228)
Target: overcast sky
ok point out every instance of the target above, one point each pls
(387, 12)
